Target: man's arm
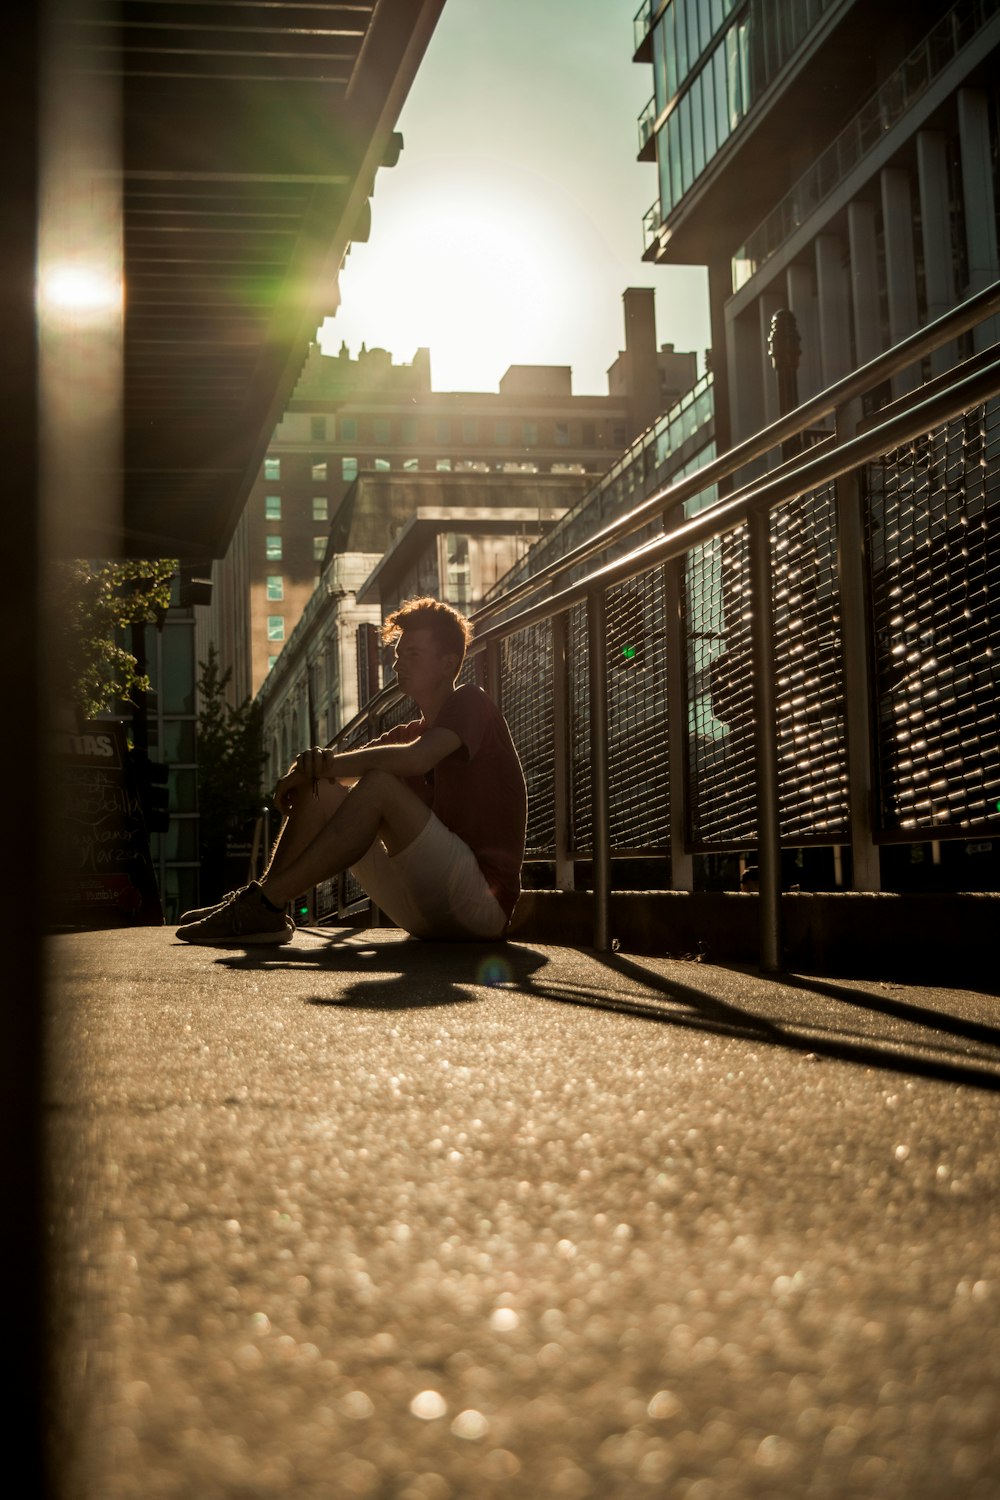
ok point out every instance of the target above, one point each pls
(413, 759)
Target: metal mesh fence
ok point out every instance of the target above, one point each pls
(638, 768)
(933, 531)
(716, 623)
(812, 766)
(581, 804)
(528, 706)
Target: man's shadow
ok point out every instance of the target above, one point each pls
(415, 973)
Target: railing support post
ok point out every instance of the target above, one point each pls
(681, 862)
(597, 663)
(851, 554)
(766, 739)
(561, 780)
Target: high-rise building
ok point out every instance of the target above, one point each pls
(355, 415)
(830, 157)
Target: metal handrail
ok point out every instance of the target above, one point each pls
(811, 474)
(924, 341)
(947, 397)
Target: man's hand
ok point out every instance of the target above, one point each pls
(300, 778)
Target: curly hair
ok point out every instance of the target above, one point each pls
(451, 630)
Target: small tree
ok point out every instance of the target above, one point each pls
(230, 762)
(93, 602)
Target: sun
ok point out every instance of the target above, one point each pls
(482, 279)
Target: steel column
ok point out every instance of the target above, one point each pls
(766, 739)
(597, 667)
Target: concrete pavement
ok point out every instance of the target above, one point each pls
(361, 1217)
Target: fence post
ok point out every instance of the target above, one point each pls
(765, 739)
(681, 862)
(851, 554)
(562, 750)
(597, 667)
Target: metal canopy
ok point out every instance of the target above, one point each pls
(250, 138)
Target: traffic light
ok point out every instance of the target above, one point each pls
(151, 786)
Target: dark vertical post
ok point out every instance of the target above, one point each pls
(597, 663)
(784, 347)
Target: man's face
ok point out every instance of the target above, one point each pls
(420, 666)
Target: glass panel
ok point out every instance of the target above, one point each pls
(276, 627)
(697, 127)
(275, 586)
(272, 468)
(683, 113)
(321, 508)
(348, 468)
(183, 791)
(721, 108)
(660, 94)
(178, 740)
(680, 40)
(708, 105)
(319, 469)
(272, 507)
(272, 548)
(180, 841)
(176, 688)
(670, 49)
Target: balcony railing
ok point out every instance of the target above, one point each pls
(647, 121)
(808, 661)
(869, 126)
(643, 22)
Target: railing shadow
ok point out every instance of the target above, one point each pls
(393, 974)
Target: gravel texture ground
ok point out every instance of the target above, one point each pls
(362, 1217)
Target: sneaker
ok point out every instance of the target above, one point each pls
(196, 914)
(240, 921)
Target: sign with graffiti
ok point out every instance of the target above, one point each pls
(103, 875)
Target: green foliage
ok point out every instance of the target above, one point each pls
(230, 759)
(93, 602)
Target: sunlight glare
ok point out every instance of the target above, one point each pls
(483, 281)
(79, 288)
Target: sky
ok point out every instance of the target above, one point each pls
(512, 223)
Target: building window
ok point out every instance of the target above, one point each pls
(272, 507)
(317, 429)
(411, 464)
(270, 662)
(562, 434)
(272, 468)
(276, 627)
(442, 430)
(410, 429)
(382, 464)
(319, 548)
(349, 429)
(275, 586)
(530, 434)
(321, 508)
(319, 469)
(348, 468)
(380, 428)
(272, 548)
(501, 432)
(443, 465)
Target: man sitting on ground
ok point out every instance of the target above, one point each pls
(430, 817)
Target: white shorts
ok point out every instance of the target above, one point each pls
(434, 888)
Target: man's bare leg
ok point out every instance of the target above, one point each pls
(319, 846)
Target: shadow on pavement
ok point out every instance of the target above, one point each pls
(394, 973)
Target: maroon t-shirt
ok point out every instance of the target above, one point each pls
(478, 791)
